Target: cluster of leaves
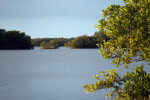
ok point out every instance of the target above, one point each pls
(61, 41)
(52, 44)
(133, 85)
(14, 40)
(87, 41)
(128, 27)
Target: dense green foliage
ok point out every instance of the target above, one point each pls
(14, 40)
(129, 30)
(87, 41)
(127, 26)
(52, 44)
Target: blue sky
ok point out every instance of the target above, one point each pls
(53, 18)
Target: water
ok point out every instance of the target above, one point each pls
(56, 74)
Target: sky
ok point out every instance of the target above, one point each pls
(53, 18)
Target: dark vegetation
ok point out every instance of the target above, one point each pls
(14, 40)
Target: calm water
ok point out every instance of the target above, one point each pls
(57, 74)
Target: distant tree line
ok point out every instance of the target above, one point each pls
(78, 42)
(14, 40)
(87, 41)
(19, 40)
(61, 41)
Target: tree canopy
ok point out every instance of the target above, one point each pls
(14, 40)
(128, 27)
(129, 30)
